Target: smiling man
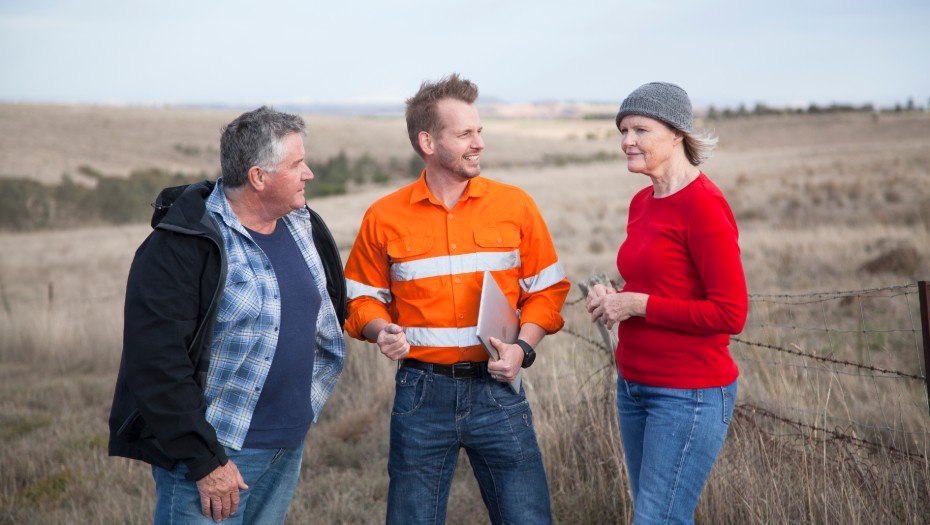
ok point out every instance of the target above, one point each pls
(233, 332)
(414, 278)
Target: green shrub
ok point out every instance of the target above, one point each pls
(16, 427)
(50, 488)
(24, 204)
(29, 205)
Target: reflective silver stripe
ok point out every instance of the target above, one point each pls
(443, 337)
(544, 279)
(357, 289)
(455, 264)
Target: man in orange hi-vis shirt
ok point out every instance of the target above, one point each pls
(414, 277)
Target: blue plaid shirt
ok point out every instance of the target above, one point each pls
(246, 332)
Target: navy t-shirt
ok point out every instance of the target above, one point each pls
(282, 417)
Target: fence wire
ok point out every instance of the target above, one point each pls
(846, 366)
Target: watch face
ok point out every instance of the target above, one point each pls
(528, 359)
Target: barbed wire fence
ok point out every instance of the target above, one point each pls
(845, 367)
(841, 366)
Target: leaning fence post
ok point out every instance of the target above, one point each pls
(922, 287)
(610, 343)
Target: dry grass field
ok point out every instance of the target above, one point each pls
(818, 198)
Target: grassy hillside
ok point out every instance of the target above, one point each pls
(824, 203)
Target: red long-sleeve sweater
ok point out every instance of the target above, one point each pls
(682, 251)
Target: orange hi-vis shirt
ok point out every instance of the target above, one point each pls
(420, 265)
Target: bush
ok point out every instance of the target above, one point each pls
(24, 204)
(29, 205)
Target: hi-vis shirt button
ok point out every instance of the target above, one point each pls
(450, 215)
(498, 239)
(453, 246)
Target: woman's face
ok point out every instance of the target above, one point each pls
(648, 143)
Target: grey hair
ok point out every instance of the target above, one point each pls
(255, 138)
(698, 146)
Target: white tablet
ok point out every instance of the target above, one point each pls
(496, 318)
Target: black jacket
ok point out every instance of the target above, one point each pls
(175, 283)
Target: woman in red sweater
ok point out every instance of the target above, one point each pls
(684, 295)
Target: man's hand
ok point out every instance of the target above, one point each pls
(219, 491)
(510, 361)
(392, 341)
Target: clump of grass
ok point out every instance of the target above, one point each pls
(48, 489)
(90, 442)
(15, 427)
(900, 260)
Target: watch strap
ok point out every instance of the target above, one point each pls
(529, 355)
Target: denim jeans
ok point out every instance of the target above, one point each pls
(435, 416)
(671, 438)
(271, 475)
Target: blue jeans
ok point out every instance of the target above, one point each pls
(271, 475)
(671, 438)
(433, 417)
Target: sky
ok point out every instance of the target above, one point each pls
(205, 52)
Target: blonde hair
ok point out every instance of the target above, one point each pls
(699, 146)
(421, 108)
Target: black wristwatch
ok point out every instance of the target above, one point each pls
(529, 355)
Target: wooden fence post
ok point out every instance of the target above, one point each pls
(922, 292)
(610, 342)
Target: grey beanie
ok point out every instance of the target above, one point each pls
(660, 100)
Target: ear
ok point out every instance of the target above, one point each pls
(257, 178)
(426, 143)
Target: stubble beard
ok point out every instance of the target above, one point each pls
(456, 166)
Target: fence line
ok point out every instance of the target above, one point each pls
(784, 317)
(835, 435)
(829, 295)
(827, 359)
(873, 340)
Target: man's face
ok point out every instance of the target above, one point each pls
(458, 145)
(285, 187)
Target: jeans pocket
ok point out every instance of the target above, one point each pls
(502, 395)
(728, 394)
(409, 391)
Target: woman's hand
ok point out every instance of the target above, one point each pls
(612, 307)
(595, 293)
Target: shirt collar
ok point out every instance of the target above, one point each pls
(477, 187)
(218, 204)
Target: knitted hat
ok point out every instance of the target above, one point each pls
(660, 100)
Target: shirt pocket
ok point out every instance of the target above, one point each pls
(501, 246)
(502, 236)
(413, 274)
(408, 247)
(241, 300)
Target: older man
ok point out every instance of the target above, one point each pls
(232, 339)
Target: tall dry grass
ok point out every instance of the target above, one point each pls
(59, 357)
(60, 325)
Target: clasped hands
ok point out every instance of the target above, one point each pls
(612, 306)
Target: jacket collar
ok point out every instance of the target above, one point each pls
(183, 208)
